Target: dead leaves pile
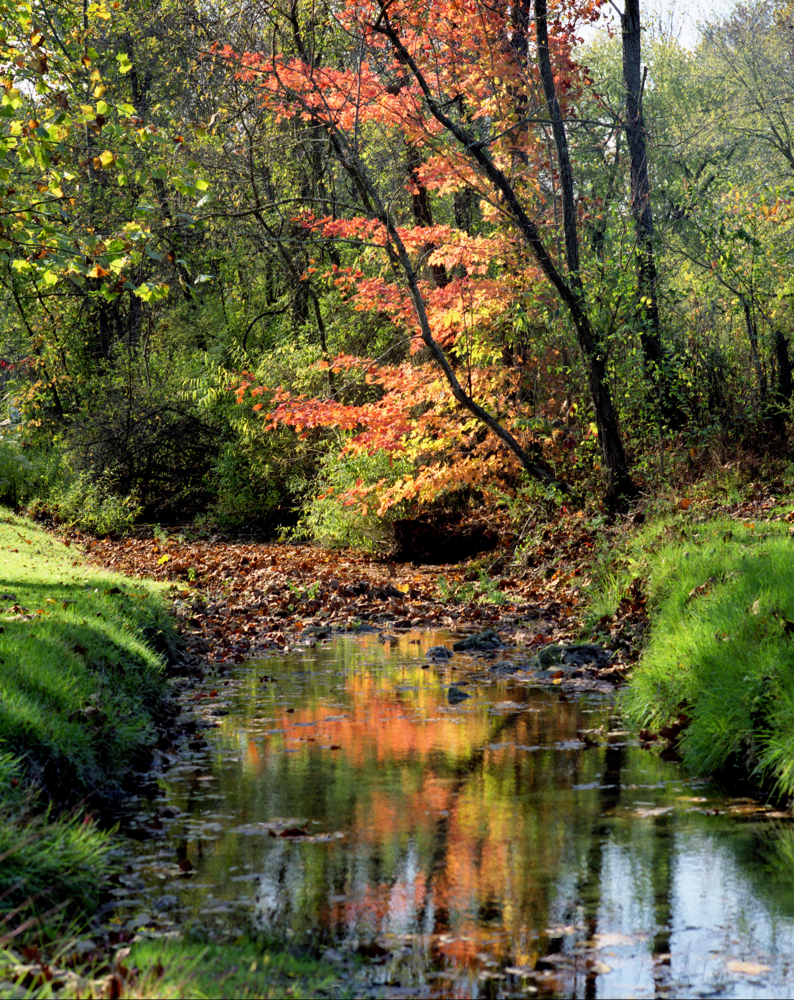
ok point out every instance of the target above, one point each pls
(235, 600)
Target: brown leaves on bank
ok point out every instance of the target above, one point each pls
(238, 599)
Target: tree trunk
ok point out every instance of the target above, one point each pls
(752, 336)
(619, 483)
(784, 384)
(423, 213)
(641, 192)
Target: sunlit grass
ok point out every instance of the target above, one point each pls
(182, 970)
(176, 969)
(721, 651)
(79, 692)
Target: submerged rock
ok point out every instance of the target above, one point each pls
(573, 657)
(455, 696)
(483, 642)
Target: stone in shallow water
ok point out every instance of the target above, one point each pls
(483, 642)
(438, 653)
(503, 667)
(455, 696)
(573, 656)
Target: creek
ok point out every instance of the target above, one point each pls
(511, 843)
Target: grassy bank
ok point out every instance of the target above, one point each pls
(172, 968)
(81, 684)
(719, 664)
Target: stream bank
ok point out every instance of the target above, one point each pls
(84, 697)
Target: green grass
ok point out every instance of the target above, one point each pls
(179, 969)
(46, 861)
(721, 650)
(81, 683)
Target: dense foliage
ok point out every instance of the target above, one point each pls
(367, 260)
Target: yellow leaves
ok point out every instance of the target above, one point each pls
(104, 160)
(98, 10)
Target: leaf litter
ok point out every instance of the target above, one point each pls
(236, 600)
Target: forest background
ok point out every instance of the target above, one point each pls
(333, 267)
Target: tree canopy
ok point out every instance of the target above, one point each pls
(458, 236)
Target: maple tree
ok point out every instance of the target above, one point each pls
(474, 118)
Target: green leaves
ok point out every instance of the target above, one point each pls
(152, 292)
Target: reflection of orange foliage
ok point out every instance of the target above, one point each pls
(409, 812)
(384, 724)
(252, 757)
(458, 841)
(463, 951)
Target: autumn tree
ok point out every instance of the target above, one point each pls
(477, 123)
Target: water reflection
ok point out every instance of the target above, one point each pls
(477, 846)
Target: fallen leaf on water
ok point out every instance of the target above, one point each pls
(615, 939)
(736, 967)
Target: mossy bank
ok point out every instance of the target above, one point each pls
(83, 687)
(717, 675)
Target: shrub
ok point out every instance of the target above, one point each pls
(336, 522)
(149, 443)
(93, 505)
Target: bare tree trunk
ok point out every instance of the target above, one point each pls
(641, 192)
(619, 484)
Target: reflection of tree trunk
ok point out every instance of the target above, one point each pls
(589, 889)
(662, 882)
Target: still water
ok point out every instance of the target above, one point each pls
(469, 848)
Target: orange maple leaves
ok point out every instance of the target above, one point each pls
(412, 413)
